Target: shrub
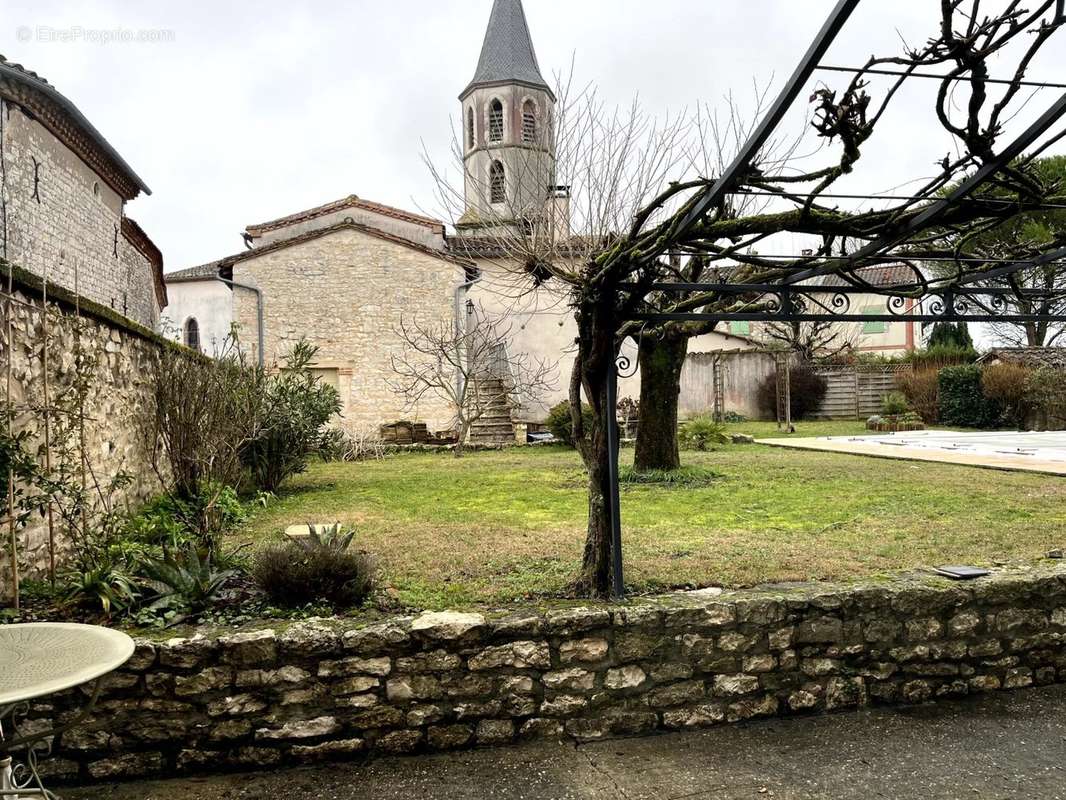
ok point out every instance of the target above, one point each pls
(894, 404)
(950, 335)
(962, 401)
(1046, 392)
(296, 406)
(561, 425)
(921, 388)
(205, 412)
(700, 433)
(183, 583)
(1007, 384)
(940, 356)
(807, 391)
(361, 445)
(295, 576)
(172, 523)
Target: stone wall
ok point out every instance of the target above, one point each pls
(62, 221)
(117, 410)
(327, 689)
(346, 291)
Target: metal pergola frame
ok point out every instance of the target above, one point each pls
(803, 296)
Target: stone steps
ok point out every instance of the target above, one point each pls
(495, 426)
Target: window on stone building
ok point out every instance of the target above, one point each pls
(496, 121)
(192, 333)
(497, 183)
(470, 129)
(529, 122)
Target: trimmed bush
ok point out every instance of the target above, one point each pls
(1007, 384)
(807, 392)
(294, 576)
(922, 390)
(561, 425)
(1046, 391)
(962, 400)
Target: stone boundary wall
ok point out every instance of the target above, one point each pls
(119, 408)
(326, 689)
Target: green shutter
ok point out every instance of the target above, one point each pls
(871, 326)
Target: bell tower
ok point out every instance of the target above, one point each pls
(508, 121)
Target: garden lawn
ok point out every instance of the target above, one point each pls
(501, 527)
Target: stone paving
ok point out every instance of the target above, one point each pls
(994, 747)
(1013, 451)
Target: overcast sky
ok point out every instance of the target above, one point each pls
(242, 112)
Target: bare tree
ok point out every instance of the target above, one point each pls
(654, 227)
(810, 340)
(473, 369)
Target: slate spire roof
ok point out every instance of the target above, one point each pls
(507, 56)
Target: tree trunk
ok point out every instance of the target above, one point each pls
(661, 362)
(592, 370)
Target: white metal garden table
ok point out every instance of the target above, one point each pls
(39, 659)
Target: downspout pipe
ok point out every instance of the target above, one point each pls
(258, 312)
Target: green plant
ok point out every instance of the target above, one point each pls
(105, 585)
(894, 404)
(685, 477)
(807, 391)
(561, 424)
(183, 581)
(940, 356)
(950, 335)
(700, 433)
(294, 576)
(962, 400)
(295, 407)
(733, 417)
(331, 538)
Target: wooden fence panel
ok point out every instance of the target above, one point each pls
(856, 392)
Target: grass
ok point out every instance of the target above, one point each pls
(502, 527)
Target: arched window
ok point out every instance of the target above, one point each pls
(497, 183)
(495, 121)
(192, 333)
(529, 122)
(470, 129)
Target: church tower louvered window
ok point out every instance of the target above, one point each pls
(496, 121)
(497, 183)
(529, 122)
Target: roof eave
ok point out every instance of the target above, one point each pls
(474, 85)
(66, 106)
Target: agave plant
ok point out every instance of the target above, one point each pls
(326, 537)
(106, 585)
(186, 580)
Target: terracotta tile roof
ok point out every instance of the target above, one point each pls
(351, 201)
(208, 271)
(883, 276)
(135, 235)
(215, 268)
(1035, 357)
(63, 120)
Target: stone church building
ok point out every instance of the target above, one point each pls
(343, 274)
